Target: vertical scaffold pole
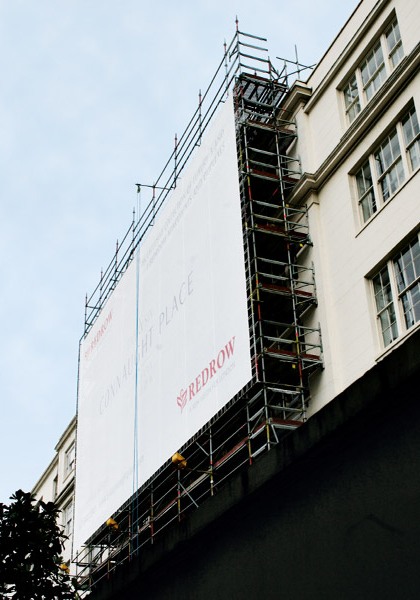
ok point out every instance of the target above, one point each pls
(86, 308)
(226, 69)
(249, 433)
(154, 201)
(133, 229)
(152, 515)
(117, 247)
(211, 462)
(101, 288)
(175, 160)
(200, 122)
(178, 495)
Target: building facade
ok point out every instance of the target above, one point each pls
(358, 140)
(56, 484)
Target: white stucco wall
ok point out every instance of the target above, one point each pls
(322, 123)
(345, 251)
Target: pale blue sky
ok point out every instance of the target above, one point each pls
(92, 93)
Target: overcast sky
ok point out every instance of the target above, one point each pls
(92, 93)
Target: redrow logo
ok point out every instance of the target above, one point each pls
(97, 338)
(202, 379)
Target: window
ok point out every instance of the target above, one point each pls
(365, 191)
(373, 70)
(393, 40)
(351, 99)
(70, 460)
(407, 272)
(389, 165)
(384, 171)
(55, 487)
(397, 292)
(68, 519)
(412, 138)
(385, 306)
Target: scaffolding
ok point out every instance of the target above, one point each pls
(281, 293)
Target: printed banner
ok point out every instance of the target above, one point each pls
(177, 325)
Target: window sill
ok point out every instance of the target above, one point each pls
(68, 476)
(398, 342)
